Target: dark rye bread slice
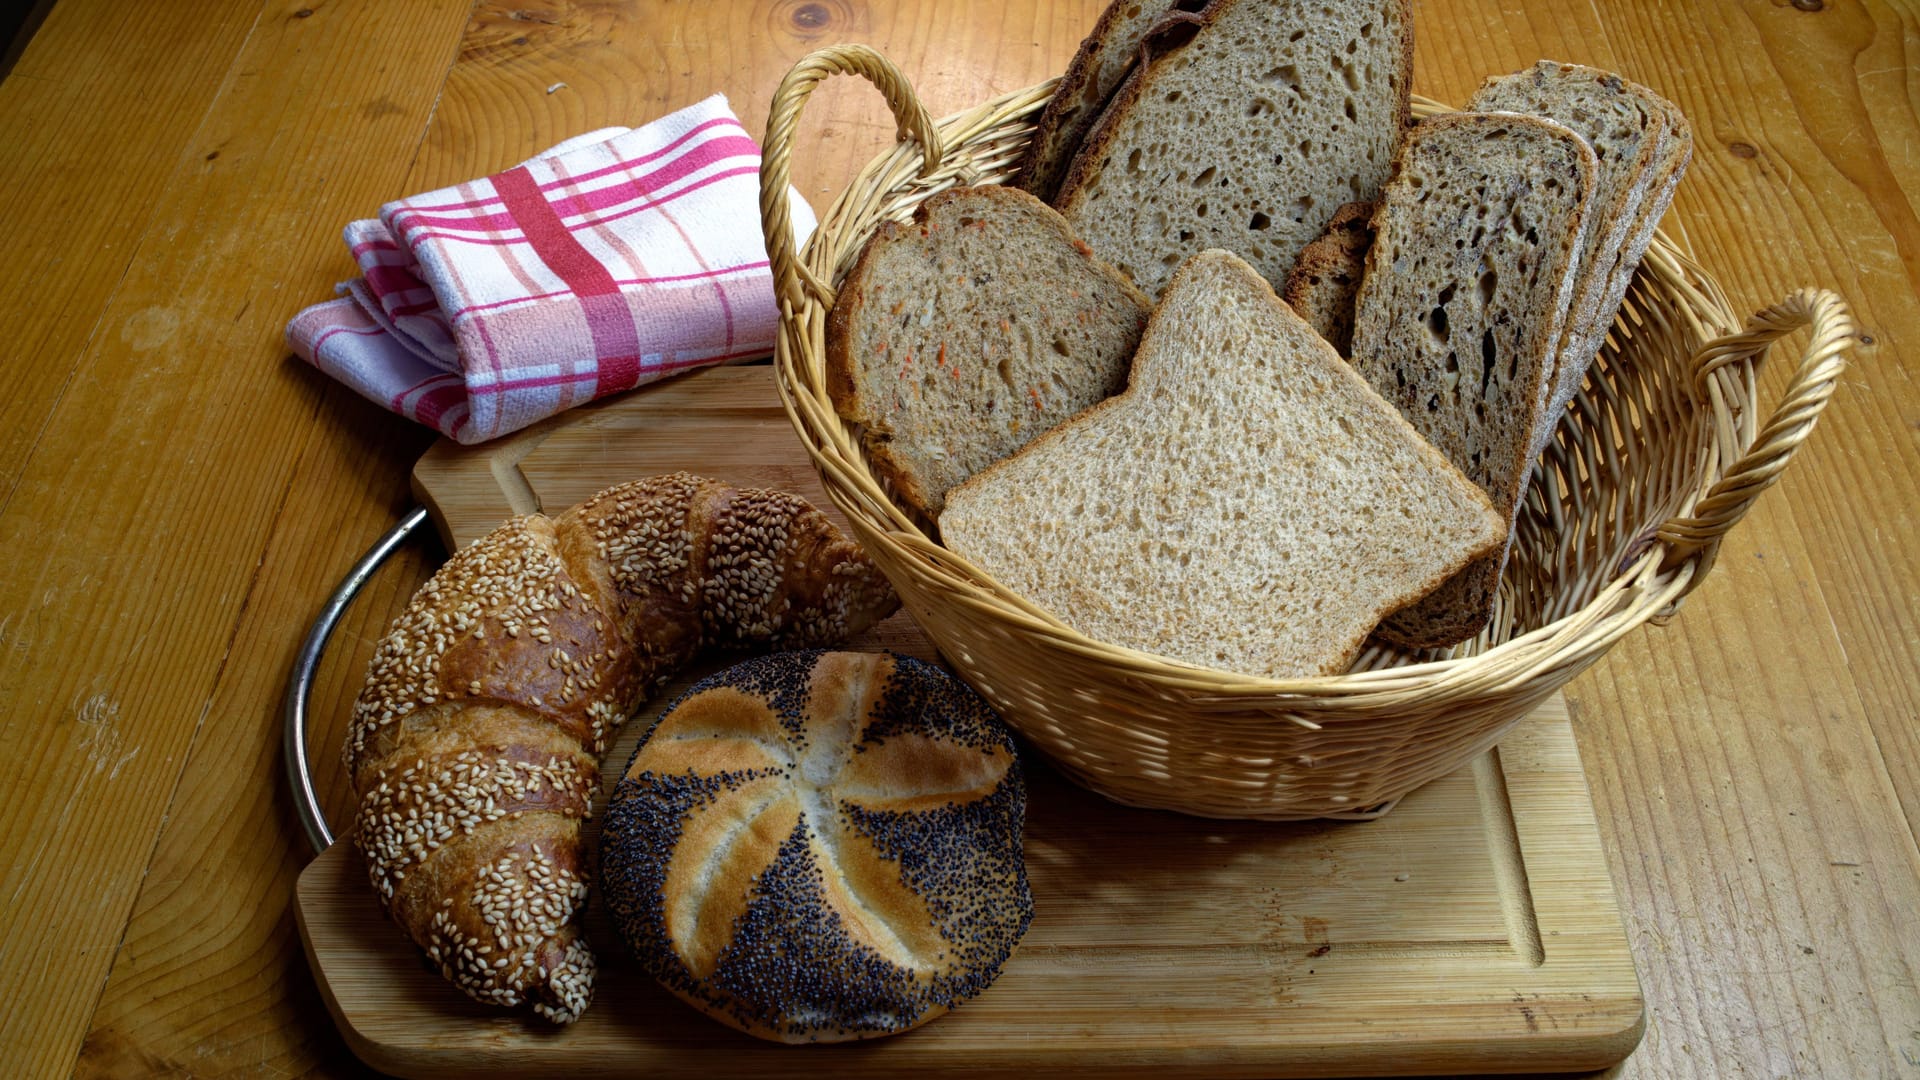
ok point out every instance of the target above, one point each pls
(1626, 125)
(1244, 130)
(1249, 503)
(1326, 280)
(1476, 248)
(1097, 70)
(959, 337)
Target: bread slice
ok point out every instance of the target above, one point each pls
(1097, 70)
(958, 338)
(1475, 253)
(1670, 164)
(1626, 125)
(1326, 280)
(1249, 503)
(1244, 131)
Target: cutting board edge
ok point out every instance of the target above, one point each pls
(1588, 1028)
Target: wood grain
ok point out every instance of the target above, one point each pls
(125, 621)
(98, 114)
(221, 491)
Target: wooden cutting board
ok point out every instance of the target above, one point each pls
(1474, 929)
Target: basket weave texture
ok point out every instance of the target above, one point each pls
(1662, 452)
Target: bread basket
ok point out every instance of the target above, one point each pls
(1661, 453)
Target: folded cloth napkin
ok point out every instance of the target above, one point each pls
(614, 259)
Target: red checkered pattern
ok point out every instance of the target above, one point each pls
(612, 260)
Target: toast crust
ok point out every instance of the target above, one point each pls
(1326, 281)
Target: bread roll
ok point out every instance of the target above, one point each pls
(476, 742)
(818, 847)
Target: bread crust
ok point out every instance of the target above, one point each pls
(1607, 267)
(475, 744)
(1078, 101)
(821, 847)
(842, 386)
(1326, 281)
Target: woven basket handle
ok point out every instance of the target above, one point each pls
(789, 276)
(1761, 462)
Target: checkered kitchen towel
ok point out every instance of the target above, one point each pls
(614, 259)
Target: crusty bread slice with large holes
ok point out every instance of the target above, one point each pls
(1249, 503)
(1097, 70)
(1326, 281)
(960, 337)
(1476, 249)
(1628, 127)
(1245, 130)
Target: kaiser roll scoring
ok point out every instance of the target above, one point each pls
(818, 846)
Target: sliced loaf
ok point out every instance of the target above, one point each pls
(1476, 247)
(1326, 280)
(1627, 126)
(958, 338)
(1097, 70)
(1244, 131)
(1248, 504)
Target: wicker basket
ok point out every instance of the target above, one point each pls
(1659, 456)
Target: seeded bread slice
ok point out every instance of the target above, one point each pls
(1249, 503)
(1097, 70)
(958, 338)
(1326, 280)
(1475, 256)
(1244, 130)
(1626, 125)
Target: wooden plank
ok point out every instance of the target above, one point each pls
(622, 64)
(723, 422)
(98, 113)
(1161, 945)
(208, 975)
(1775, 891)
(1805, 139)
(1840, 179)
(1778, 212)
(122, 619)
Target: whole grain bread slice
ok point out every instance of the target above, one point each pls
(1475, 256)
(1244, 129)
(959, 337)
(1670, 165)
(1628, 127)
(1325, 282)
(1249, 503)
(1097, 70)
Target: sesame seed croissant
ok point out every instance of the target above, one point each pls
(475, 744)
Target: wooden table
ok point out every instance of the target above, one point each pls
(177, 495)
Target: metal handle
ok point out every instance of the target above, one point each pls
(305, 800)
